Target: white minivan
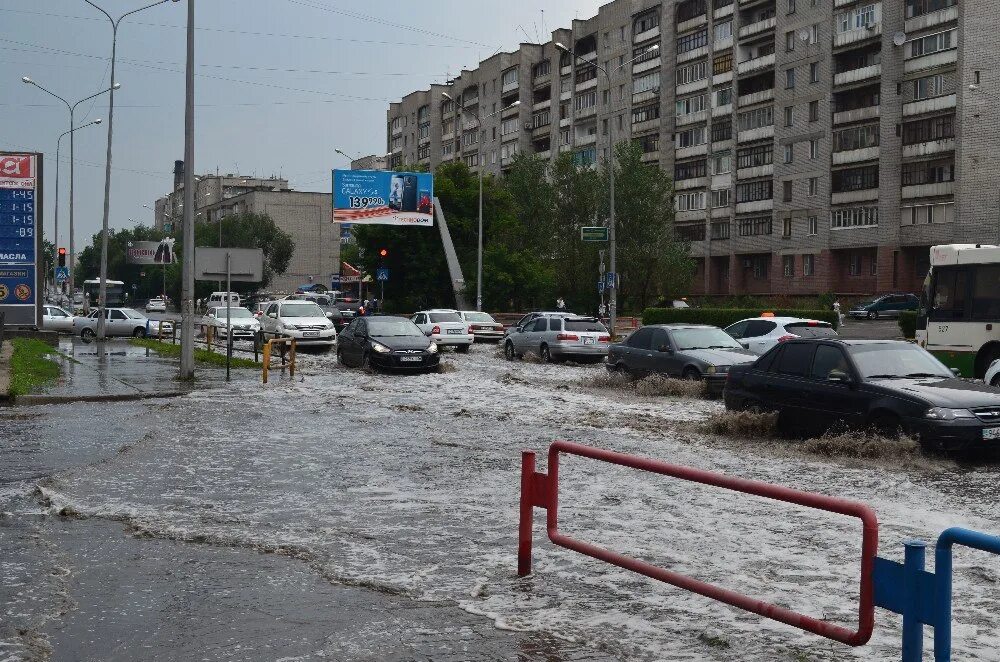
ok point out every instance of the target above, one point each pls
(218, 299)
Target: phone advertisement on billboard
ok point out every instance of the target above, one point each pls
(151, 252)
(378, 197)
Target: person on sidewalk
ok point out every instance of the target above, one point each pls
(560, 304)
(840, 316)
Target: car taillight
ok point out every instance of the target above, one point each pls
(567, 336)
(604, 339)
(787, 336)
(436, 330)
(470, 330)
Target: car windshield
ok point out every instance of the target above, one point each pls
(902, 359)
(811, 329)
(235, 313)
(703, 339)
(392, 328)
(445, 317)
(480, 317)
(132, 314)
(302, 310)
(585, 325)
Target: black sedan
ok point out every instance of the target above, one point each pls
(386, 343)
(688, 351)
(888, 385)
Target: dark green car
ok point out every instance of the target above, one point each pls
(889, 305)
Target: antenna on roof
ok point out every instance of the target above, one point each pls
(527, 36)
(543, 24)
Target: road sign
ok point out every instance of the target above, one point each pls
(609, 279)
(20, 237)
(62, 274)
(246, 264)
(382, 273)
(593, 234)
(600, 285)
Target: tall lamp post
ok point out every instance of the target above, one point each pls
(72, 112)
(55, 232)
(612, 244)
(479, 160)
(103, 296)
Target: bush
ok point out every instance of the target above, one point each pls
(908, 323)
(723, 317)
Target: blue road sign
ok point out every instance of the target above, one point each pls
(382, 273)
(20, 236)
(609, 279)
(600, 285)
(62, 274)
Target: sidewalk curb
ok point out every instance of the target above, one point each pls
(35, 400)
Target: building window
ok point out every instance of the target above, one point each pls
(760, 266)
(814, 72)
(649, 143)
(692, 73)
(813, 225)
(693, 201)
(689, 170)
(854, 217)
(692, 41)
(645, 113)
(789, 79)
(585, 157)
(789, 152)
(791, 6)
(924, 214)
(857, 19)
(873, 265)
(720, 230)
(790, 41)
(786, 192)
(854, 264)
(933, 128)
(814, 111)
(813, 149)
(855, 179)
(472, 160)
(508, 150)
(690, 9)
(752, 157)
(690, 105)
(786, 227)
(644, 53)
(756, 118)
(722, 64)
(788, 265)
(541, 69)
(723, 96)
(510, 126)
(929, 172)
(585, 73)
(585, 100)
(814, 32)
(564, 137)
(720, 198)
(788, 115)
(754, 226)
(691, 137)
(856, 137)
(723, 30)
(722, 131)
(935, 43)
(722, 162)
(920, 7)
(928, 87)
(813, 186)
(691, 232)
(808, 265)
(646, 83)
(762, 189)
(509, 77)
(447, 108)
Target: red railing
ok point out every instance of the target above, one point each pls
(542, 490)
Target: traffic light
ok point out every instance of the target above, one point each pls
(62, 257)
(383, 252)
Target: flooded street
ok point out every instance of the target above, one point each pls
(342, 515)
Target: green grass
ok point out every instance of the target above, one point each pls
(30, 367)
(200, 355)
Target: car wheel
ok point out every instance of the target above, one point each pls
(869, 314)
(139, 332)
(462, 349)
(996, 381)
(545, 355)
(508, 351)
(875, 314)
(88, 334)
(751, 407)
(366, 362)
(691, 374)
(340, 358)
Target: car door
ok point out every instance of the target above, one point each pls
(637, 357)
(757, 336)
(270, 324)
(827, 397)
(531, 338)
(788, 378)
(738, 331)
(118, 323)
(661, 357)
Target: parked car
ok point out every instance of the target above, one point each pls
(156, 305)
(889, 305)
(302, 320)
(217, 299)
(541, 313)
(889, 385)
(118, 322)
(387, 343)
(348, 305)
(55, 318)
(445, 327)
(557, 338)
(992, 376)
(484, 328)
(759, 334)
(245, 325)
(326, 302)
(686, 351)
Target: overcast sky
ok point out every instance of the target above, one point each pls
(280, 84)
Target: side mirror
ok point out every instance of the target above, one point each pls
(956, 372)
(840, 377)
(428, 333)
(665, 349)
(273, 316)
(520, 329)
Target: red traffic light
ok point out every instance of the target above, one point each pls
(62, 251)
(61, 261)
(383, 252)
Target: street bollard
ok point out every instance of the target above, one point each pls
(267, 359)
(291, 369)
(208, 338)
(914, 553)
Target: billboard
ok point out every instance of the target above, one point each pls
(20, 237)
(379, 197)
(151, 252)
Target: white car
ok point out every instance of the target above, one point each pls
(760, 334)
(217, 299)
(156, 305)
(245, 325)
(992, 377)
(55, 318)
(445, 327)
(484, 328)
(118, 322)
(302, 320)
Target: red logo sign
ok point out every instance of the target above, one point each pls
(22, 292)
(16, 167)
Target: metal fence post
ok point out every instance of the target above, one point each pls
(527, 519)
(291, 368)
(913, 629)
(267, 360)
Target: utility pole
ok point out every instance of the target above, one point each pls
(187, 287)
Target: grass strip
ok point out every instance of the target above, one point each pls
(200, 355)
(30, 366)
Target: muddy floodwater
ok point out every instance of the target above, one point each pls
(348, 516)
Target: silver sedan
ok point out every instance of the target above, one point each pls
(559, 338)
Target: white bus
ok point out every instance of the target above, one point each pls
(959, 317)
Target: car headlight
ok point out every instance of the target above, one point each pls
(710, 370)
(943, 414)
(722, 369)
(328, 326)
(432, 348)
(380, 348)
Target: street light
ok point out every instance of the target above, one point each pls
(479, 161)
(103, 296)
(72, 110)
(55, 234)
(612, 244)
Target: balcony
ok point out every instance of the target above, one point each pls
(691, 23)
(398, 131)
(691, 118)
(586, 85)
(695, 182)
(544, 154)
(542, 105)
(722, 212)
(648, 95)
(651, 33)
(721, 79)
(540, 81)
(756, 97)
(585, 112)
(648, 65)
(756, 64)
(688, 88)
(930, 19)
(650, 157)
(857, 75)
(751, 3)
(720, 45)
(756, 28)
(690, 215)
(848, 197)
(586, 140)
(766, 170)
(645, 127)
(687, 152)
(760, 133)
(856, 155)
(857, 115)
(509, 87)
(929, 147)
(929, 190)
(843, 3)
(564, 148)
(927, 235)
(565, 71)
(723, 12)
(722, 111)
(448, 136)
(754, 206)
(566, 95)
(694, 54)
(929, 105)
(564, 122)
(872, 31)
(931, 61)
(510, 112)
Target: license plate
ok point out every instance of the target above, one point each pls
(310, 334)
(991, 433)
(411, 359)
(588, 341)
(455, 332)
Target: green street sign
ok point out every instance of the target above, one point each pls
(594, 234)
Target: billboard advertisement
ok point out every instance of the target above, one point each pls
(379, 197)
(20, 237)
(151, 252)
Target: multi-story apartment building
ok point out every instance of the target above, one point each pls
(815, 145)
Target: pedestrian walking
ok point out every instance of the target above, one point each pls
(602, 310)
(374, 306)
(836, 309)
(560, 304)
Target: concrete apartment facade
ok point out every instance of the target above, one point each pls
(815, 145)
(304, 215)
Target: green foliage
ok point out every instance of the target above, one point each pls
(30, 365)
(723, 317)
(908, 323)
(200, 355)
(826, 300)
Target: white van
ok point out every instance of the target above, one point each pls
(218, 299)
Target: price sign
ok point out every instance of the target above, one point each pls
(20, 237)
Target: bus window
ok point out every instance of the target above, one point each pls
(950, 294)
(986, 293)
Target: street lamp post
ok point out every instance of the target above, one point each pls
(103, 296)
(612, 244)
(55, 232)
(72, 112)
(479, 159)
(187, 276)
